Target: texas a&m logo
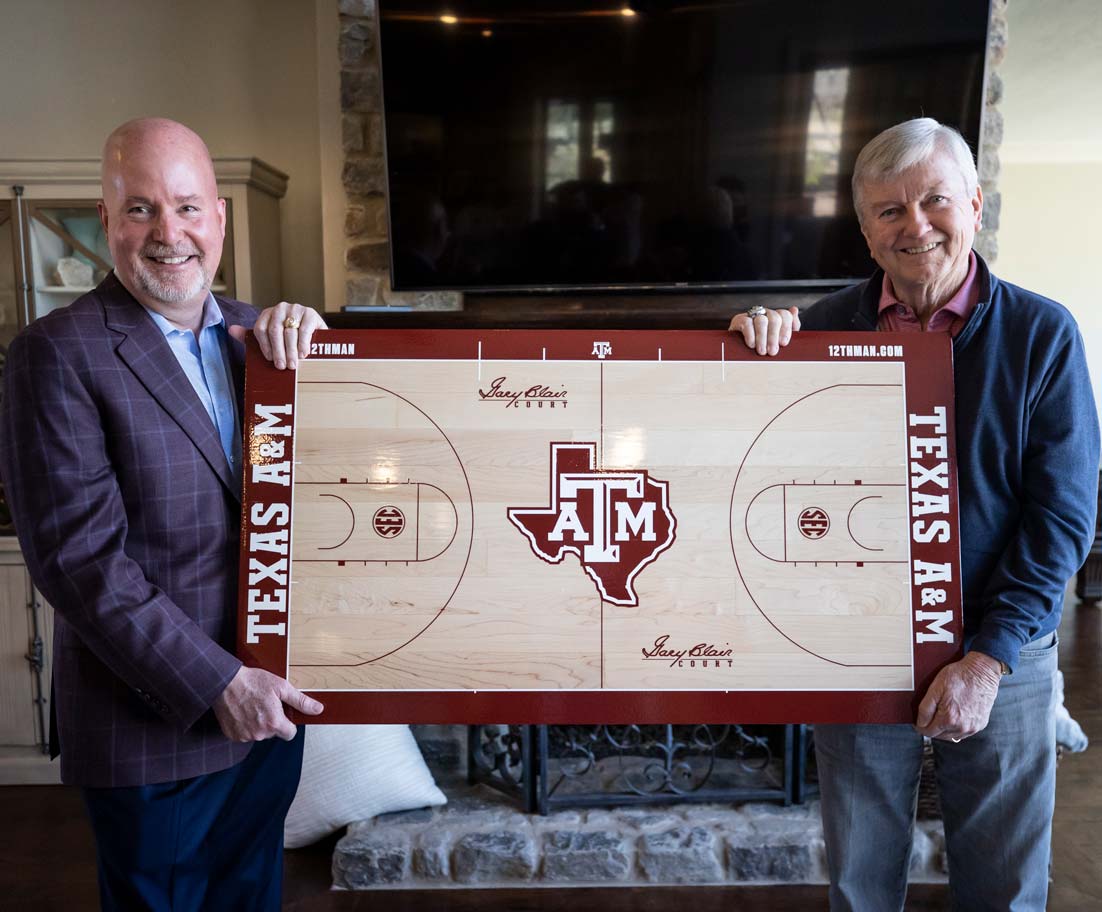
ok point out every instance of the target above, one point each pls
(616, 522)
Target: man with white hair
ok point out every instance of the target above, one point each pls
(1027, 466)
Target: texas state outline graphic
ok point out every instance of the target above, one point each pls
(615, 521)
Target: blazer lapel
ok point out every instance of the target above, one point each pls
(146, 352)
(237, 360)
(233, 317)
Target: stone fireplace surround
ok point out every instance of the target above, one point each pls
(481, 837)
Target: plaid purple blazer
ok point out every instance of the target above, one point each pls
(129, 520)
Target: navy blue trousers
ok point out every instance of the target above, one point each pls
(210, 843)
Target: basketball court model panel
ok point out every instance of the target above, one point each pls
(570, 526)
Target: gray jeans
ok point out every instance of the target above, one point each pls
(998, 790)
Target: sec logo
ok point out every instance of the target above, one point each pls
(389, 522)
(813, 523)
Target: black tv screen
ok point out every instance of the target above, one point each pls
(549, 145)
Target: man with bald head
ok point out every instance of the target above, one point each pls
(121, 457)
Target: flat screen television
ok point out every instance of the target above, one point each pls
(539, 146)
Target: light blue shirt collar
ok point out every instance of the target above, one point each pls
(212, 316)
(204, 358)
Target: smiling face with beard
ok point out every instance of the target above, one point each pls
(155, 260)
(164, 221)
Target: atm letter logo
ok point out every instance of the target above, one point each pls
(616, 522)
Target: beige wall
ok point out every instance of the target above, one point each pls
(1050, 241)
(242, 73)
(1051, 183)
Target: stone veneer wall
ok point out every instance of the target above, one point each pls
(364, 175)
(367, 251)
(479, 839)
(992, 134)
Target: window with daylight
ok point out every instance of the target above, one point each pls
(824, 139)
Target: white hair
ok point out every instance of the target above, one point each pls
(907, 144)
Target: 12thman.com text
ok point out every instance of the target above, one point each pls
(865, 351)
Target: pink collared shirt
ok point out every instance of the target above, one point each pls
(895, 316)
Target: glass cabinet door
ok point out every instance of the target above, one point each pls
(68, 253)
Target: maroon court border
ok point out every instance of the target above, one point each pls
(265, 529)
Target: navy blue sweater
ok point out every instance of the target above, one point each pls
(1027, 454)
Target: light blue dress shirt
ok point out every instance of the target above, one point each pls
(206, 362)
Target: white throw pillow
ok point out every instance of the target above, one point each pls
(353, 772)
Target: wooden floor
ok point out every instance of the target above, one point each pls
(47, 859)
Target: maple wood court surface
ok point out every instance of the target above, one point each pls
(574, 526)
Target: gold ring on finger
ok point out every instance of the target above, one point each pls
(291, 323)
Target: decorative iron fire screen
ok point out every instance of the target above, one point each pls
(552, 766)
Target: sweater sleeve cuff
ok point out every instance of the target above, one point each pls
(1002, 648)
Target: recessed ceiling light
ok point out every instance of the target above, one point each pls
(449, 19)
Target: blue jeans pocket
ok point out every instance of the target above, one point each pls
(1039, 649)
